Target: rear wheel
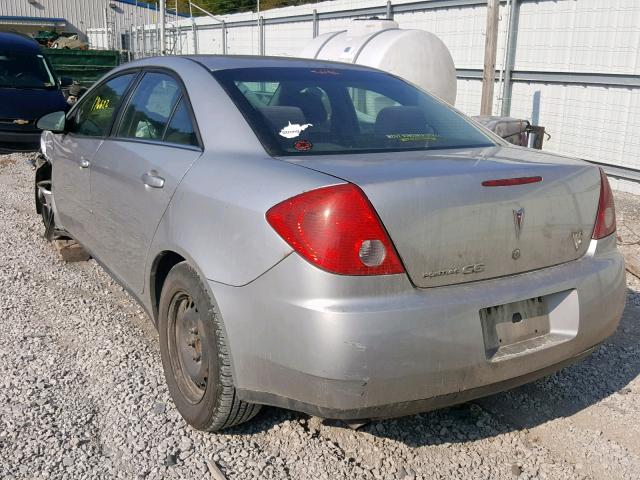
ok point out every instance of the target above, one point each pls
(195, 354)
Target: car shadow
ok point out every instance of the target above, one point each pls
(608, 370)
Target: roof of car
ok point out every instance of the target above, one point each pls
(18, 42)
(227, 62)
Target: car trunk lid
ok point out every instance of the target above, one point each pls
(448, 228)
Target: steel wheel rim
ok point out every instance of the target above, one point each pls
(189, 346)
(44, 185)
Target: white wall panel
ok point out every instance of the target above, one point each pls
(332, 25)
(81, 15)
(287, 39)
(468, 98)
(580, 36)
(595, 123)
(243, 41)
(461, 29)
(210, 41)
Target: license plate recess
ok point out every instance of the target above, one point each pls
(508, 328)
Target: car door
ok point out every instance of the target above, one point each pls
(136, 171)
(87, 126)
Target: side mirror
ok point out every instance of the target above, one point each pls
(54, 122)
(66, 81)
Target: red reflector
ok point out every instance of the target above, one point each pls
(336, 229)
(507, 182)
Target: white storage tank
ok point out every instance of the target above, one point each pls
(415, 55)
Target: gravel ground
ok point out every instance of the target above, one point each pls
(82, 393)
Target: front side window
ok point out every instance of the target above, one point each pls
(151, 105)
(94, 114)
(25, 70)
(310, 111)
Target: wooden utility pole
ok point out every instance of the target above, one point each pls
(490, 49)
(163, 8)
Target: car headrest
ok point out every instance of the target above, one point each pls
(401, 119)
(312, 107)
(279, 116)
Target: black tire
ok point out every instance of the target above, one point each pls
(45, 210)
(195, 354)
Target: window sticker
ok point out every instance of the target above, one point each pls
(303, 145)
(294, 130)
(413, 137)
(100, 104)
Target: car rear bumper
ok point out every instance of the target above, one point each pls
(369, 347)
(14, 141)
(410, 407)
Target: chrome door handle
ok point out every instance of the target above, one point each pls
(84, 164)
(152, 181)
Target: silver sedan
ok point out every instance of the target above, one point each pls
(329, 238)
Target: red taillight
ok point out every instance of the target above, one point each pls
(606, 216)
(336, 229)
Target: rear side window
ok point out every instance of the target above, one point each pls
(258, 93)
(310, 111)
(180, 129)
(151, 105)
(368, 104)
(94, 114)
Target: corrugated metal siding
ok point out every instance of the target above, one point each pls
(209, 41)
(461, 29)
(595, 123)
(580, 36)
(286, 39)
(468, 98)
(242, 41)
(81, 15)
(598, 123)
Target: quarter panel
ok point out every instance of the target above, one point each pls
(217, 214)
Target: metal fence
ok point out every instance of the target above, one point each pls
(570, 65)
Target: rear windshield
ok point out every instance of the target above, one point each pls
(330, 111)
(24, 70)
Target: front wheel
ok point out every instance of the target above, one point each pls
(195, 354)
(44, 207)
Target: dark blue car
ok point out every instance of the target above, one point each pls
(29, 89)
